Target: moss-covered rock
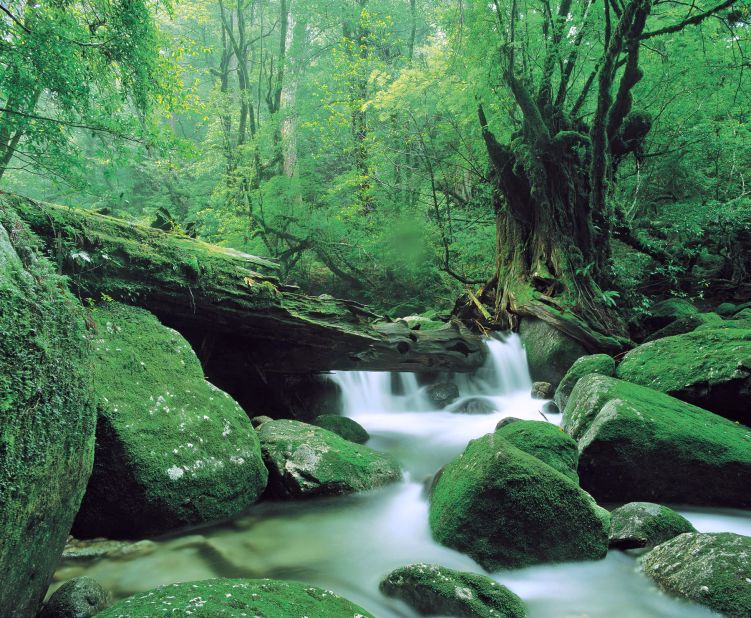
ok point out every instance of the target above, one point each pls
(344, 427)
(81, 597)
(550, 353)
(709, 368)
(436, 590)
(644, 524)
(666, 311)
(710, 569)
(236, 598)
(549, 443)
(601, 364)
(48, 417)
(304, 460)
(171, 449)
(639, 444)
(507, 509)
(686, 324)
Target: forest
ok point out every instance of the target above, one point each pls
(337, 308)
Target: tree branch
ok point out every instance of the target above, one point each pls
(690, 21)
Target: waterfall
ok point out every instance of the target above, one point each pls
(504, 372)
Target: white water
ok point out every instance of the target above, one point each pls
(348, 544)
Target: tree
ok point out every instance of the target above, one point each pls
(72, 65)
(565, 81)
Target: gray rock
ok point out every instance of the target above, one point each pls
(711, 569)
(442, 394)
(542, 390)
(474, 405)
(304, 460)
(435, 590)
(81, 597)
(639, 525)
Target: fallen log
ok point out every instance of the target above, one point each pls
(231, 303)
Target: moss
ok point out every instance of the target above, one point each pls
(595, 363)
(639, 444)
(686, 324)
(550, 353)
(236, 598)
(645, 524)
(709, 368)
(436, 590)
(343, 426)
(710, 569)
(304, 460)
(172, 450)
(47, 411)
(549, 443)
(507, 509)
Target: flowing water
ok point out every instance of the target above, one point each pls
(347, 544)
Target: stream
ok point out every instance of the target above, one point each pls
(348, 544)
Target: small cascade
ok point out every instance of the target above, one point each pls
(365, 392)
(505, 371)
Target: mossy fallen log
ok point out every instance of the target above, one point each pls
(220, 298)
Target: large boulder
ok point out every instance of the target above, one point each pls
(639, 444)
(709, 368)
(666, 311)
(507, 509)
(710, 569)
(343, 426)
(601, 364)
(548, 442)
(686, 324)
(304, 460)
(236, 598)
(550, 353)
(48, 417)
(639, 525)
(82, 597)
(435, 590)
(171, 449)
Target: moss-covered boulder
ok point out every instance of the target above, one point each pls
(304, 460)
(550, 353)
(236, 598)
(710, 569)
(686, 324)
(435, 590)
(639, 525)
(709, 368)
(48, 417)
(639, 444)
(601, 364)
(548, 442)
(171, 449)
(344, 427)
(507, 509)
(82, 597)
(666, 311)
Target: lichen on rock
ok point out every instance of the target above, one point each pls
(172, 450)
(48, 417)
